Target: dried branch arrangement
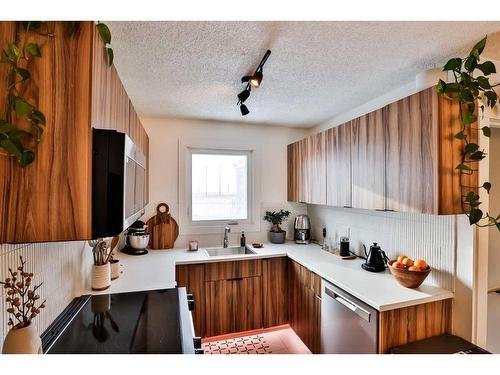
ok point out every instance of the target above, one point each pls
(22, 297)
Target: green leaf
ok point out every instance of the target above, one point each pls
(483, 82)
(487, 186)
(475, 215)
(38, 117)
(460, 135)
(466, 96)
(441, 86)
(11, 147)
(5, 127)
(23, 73)
(486, 131)
(491, 98)
(468, 119)
(487, 68)
(478, 48)
(478, 155)
(453, 64)
(104, 32)
(110, 56)
(471, 147)
(463, 167)
(33, 49)
(470, 63)
(21, 107)
(38, 132)
(26, 158)
(13, 52)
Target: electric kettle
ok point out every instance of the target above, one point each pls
(376, 259)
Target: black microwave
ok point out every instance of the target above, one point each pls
(118, 183)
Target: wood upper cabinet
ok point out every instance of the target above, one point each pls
(338, 166)
(368, 161)
(412, 153)
(402, 158)
(110, 102)
(51, 199)
(307, 170)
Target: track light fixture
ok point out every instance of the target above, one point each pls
(251, 81)
(244, 110)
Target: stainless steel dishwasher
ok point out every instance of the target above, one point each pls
(348, 325)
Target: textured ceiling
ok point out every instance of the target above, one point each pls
(316, 70)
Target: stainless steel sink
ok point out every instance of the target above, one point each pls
(228, 251)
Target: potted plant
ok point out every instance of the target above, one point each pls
(276, 218)
(23, 305)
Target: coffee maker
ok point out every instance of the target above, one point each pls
(302, 234)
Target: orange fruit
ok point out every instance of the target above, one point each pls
(422, 264)
(401, 257)
(398, 264)
(413, 268)
(407, 262)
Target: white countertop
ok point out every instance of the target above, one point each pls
(156, 270)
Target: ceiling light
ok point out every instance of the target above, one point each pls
(251, 81)
(244, 110)
(256, 79)
(242, 96)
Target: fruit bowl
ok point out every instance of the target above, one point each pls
(407, 278)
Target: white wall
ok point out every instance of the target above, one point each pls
(493, 332)
(164, 136)
(64, 268)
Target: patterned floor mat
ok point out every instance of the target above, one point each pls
(254, 344)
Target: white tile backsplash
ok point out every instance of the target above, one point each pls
(64, 268)
(430, 237)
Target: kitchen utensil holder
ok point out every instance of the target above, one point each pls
(101, 276)
(115, 269)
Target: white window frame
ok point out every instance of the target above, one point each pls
(216, 146)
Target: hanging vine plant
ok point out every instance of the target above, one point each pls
(15, 141)
(471, 87)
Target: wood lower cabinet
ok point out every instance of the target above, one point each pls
(275, 291)
(233, 305)
(192, 277)
(409, 324)
(304, 295)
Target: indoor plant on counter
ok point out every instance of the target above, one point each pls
(23, 306)
(276, 234)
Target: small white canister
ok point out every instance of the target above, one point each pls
(101, 277)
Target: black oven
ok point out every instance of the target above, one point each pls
(118, 183)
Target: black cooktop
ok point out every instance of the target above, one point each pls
(136, 322)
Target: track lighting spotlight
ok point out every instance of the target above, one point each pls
(244, 110)
(251, 81)
(242, 96)
(256, 79)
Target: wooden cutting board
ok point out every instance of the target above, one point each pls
(163, 229)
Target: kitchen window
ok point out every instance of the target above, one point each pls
(218, 186)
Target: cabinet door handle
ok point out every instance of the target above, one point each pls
(235, 279)
(362, 313)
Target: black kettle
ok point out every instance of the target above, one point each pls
(376, 259)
